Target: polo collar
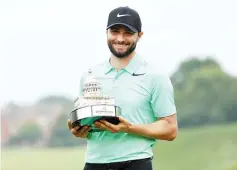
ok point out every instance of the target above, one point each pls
(107, 67)
(132, 66)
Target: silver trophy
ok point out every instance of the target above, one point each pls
(93, 105)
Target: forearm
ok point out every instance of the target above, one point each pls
(161, 129)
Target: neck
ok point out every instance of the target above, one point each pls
(119, 63)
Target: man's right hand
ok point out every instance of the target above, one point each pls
(82, 133)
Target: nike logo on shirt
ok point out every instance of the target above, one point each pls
(138, 74)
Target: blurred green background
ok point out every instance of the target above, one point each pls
(206, 99)
(207, 148)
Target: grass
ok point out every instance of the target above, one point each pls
(204, 148)
(43, 159)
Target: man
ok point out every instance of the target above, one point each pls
(145, 97)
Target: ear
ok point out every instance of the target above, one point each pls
(140, 34)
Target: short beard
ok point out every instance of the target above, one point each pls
(122, 55)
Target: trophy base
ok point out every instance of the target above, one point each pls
(90, 122)
(86, 116)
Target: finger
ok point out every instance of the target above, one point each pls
(84, 129)
(105, 126)
(122, 120)
(86, 133)
(88, 129)
(69, 123)
(83, 133)
(110, 125)
(75, 130)
(100, 125)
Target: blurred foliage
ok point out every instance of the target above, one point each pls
(66, 103)
(61, 135)
(55, 100)
(29, 133)
(204, 94)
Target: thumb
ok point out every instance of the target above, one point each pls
(122, 120)
(69, 123)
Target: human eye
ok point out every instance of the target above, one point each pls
(114, 30)
(129, 33)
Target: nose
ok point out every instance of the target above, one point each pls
(120, 38)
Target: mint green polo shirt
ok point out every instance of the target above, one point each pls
(143, 98)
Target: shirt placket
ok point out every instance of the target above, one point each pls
(116, 79)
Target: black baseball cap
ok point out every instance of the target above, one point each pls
(125, 16)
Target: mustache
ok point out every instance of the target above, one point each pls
(121, 42)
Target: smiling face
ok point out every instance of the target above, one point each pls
(122, 41)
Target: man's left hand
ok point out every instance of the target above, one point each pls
(123, 126)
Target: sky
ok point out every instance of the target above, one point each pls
(46, 44)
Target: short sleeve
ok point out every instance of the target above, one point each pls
(162, 100)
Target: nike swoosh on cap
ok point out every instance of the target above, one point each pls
(122, 15)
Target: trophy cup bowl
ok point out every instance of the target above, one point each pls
(93, 106)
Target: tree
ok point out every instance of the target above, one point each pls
(29, 133)
(204, 93)
(61, 135)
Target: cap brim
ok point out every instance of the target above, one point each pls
(129, 26)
